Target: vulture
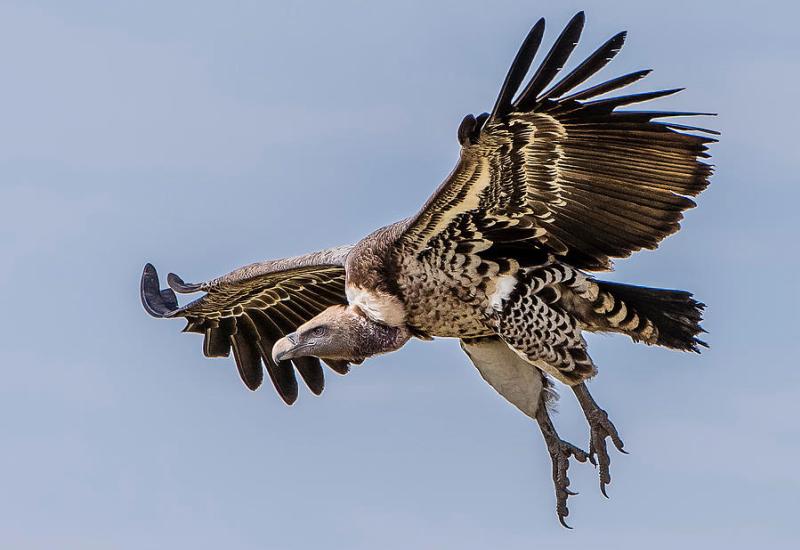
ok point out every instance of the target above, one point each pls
(550, 186)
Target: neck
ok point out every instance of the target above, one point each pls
(376, 338)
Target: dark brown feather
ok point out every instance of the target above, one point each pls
(553, 63)
(246, 353)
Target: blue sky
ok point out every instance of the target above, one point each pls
(205, 136)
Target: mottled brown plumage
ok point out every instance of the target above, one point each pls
(554, 183)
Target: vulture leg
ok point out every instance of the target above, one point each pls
(527, 388)
(560, 453)
(601, 428)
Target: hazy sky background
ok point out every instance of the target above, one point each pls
(204, 136)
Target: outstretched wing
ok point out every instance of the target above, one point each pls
(554, 171)
(251, 308)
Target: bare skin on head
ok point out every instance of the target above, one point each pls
(342, 333)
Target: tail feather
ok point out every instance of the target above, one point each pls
(669, 318)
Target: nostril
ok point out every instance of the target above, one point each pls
(292, 337)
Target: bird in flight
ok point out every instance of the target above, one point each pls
(550, 186)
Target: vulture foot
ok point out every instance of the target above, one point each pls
(601, 428)
(560, 453)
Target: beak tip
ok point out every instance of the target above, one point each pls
(286, 348)
(281, 349)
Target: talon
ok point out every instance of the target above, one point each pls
(601, 428)
(560, 453)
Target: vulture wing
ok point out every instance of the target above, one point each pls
(251, 308)
(558, 171)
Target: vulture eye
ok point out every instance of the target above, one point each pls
(319, 331)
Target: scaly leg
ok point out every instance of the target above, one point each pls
(560, 452)
(601, 428)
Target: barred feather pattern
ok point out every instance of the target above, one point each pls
(535, 325)
(546, 336)
(441, 303)
(544, 316)
(654, 316)
(607, 313)
(590, 302)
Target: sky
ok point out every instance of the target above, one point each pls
(203, 136)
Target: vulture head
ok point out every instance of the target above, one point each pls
(341, 333)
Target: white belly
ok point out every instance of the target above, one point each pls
(517, 380)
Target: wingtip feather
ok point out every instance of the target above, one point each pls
(156, 302)
(518, 70)
(178, 285)
(553, 62)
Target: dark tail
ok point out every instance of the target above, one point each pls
(669, 318)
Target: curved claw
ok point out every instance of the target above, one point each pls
(157, 302)
(560, 453)
(602, 428)
(611, 431)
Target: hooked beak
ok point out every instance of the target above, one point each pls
(287, 348)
